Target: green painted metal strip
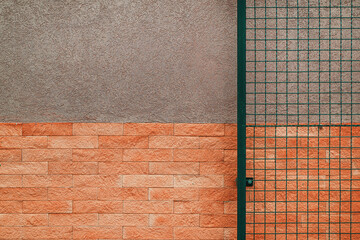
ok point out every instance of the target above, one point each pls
(241, 118)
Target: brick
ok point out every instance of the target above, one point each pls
(355, 142)
(218, 168)
(355, 131)
(23, 168)
(203, 207)
(174, 194)
(10, 181)
(355, 153)
(148, 233)
(47, 207)
(184, 220)
(218, 221)
(198, 129)
(225, 194)
(250, 131)
(13, 155)
(218, 142)
(198, 233)
(148, 155)
(23, 194)
(73, 142)
(73, 167)
(230, 207)
(73, 193)
(123, 219)
(148, 207)
(230, 181)
(286, 131)
(124, 168)
(97, 232)
(173, 142)
(23, 142)
(97, 155)
(230, 233)
(123, 141)
(47, 232)
(230, 155)
(10, 129)
(11, 232)
(10, 207)
(231, 130)
(148, 181)
(35, 219)
(97, 181)
(47, 155)
(198, 155)
(97, 206)
(123, 194)
(90, 219)
(47, 181)
(88, 129)
(46, 129)
(148, 129)
(174, 168)
(23, 220)
(198, 181)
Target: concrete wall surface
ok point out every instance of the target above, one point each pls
(175, 61)
(118, 61)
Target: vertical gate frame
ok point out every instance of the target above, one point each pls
(241, 119)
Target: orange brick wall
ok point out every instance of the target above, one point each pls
(117, 181)
(307, 182)
(176, 181)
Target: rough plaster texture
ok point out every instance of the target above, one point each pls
(118, 61)
(175, 61)
(289, 80)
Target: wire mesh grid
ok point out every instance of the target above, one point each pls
(303, 119)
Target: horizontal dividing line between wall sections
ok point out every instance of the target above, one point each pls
(309, 71)
(307, 28)
(299, 104)
(297, 61)
(304, 50)
(296, 18)
(296, 82)
(299, 7)
(304, 114)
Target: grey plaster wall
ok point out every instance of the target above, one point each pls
(118, 61)
(175, 61)
(303, 61)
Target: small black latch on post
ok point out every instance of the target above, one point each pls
(249, 182)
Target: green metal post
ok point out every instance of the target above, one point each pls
(241, 118)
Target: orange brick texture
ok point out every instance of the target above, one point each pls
(307, 182)
(117, 181)
(176, 181)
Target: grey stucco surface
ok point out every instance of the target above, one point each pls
(175, 61)
(303, 61)
(118, 61)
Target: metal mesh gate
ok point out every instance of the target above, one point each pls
(303, 119)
